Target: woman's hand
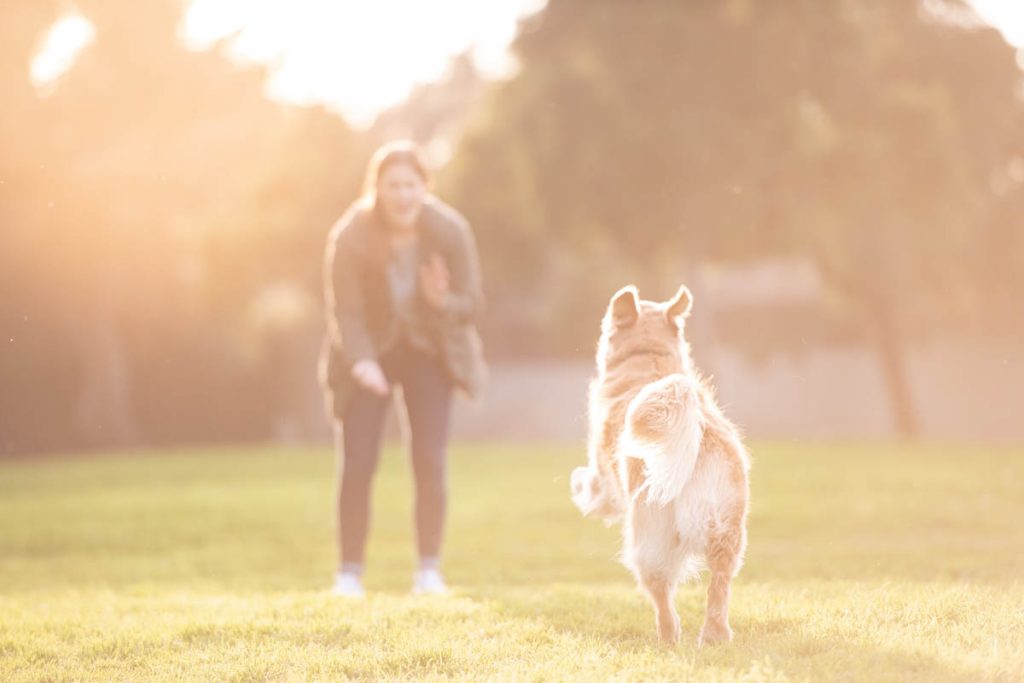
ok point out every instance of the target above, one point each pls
(368, 374)
(435, 281)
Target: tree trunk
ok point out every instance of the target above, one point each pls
(892, 357)
(104, 414)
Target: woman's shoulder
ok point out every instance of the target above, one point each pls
(353, 222)
(443, 217)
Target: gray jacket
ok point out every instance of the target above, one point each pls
(360, 320)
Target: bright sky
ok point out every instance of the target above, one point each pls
(1006, 15)
(357, 57)
(360, 57)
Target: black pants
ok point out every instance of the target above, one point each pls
(427, 391)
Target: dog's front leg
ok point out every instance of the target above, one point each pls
(587, 492)
(595, 493)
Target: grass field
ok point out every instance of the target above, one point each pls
(866, 563)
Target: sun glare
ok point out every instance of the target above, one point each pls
(60, 48)
(356, 58)
(360, 58)
(1005, 15)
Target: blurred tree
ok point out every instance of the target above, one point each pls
(435, 114)
(27, 322)
(640, 138)
(156, 194)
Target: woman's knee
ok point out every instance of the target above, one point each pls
(431, 474)
(360, 449)
(358, 467)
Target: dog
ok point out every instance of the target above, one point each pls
(664, 461)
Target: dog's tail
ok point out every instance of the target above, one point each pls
(664, 428)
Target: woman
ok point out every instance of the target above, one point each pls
(402, 294)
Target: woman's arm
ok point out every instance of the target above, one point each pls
(346, 320)
(465, 299)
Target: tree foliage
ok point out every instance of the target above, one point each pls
(155, 195)
(642, 138)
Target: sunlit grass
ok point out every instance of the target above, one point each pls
(866, 563)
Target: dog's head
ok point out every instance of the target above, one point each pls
(632, 325)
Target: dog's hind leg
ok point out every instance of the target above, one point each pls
(654, 553)
(724, 554)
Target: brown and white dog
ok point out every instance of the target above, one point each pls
(664, 460)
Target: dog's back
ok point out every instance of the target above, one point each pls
(629, 357)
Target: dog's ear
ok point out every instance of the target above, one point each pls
(680, 304)
(625, 306)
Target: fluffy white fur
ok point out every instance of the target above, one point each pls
(671, 409)
(664, 460)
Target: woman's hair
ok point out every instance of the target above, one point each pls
(388, 155)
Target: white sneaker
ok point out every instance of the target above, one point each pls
(348, 585)
(428, 582)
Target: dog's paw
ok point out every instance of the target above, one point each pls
(714, 633)
(591, 496)
(586, 489)
(669, 630)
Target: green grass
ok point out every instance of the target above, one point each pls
(866, 563)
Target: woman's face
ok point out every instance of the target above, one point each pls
(400, 195)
